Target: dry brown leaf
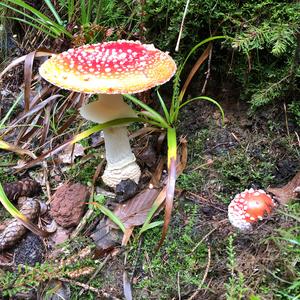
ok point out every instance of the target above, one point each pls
(70, 153)
(287, 192)
(134, 211)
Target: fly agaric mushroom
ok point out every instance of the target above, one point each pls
(120, 67)
(248, 207)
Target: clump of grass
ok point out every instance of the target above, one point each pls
(176, 262)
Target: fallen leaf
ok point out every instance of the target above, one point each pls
(134, 211)
(287, 192)
(70, 153)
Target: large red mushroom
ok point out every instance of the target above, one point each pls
(111, 69)
(248, 207)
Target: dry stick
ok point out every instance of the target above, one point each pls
(208, 71)
(178, 286)
(96, 272)
(286, 120)
(90, 288)
(204, 276)
(204, 238)
(181, 25)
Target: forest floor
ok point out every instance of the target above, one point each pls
(203, 256)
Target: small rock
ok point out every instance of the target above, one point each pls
(126, 189)
(68, 204)
(30, 250)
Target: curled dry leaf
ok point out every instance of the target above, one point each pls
(70, 153)
(287, 192)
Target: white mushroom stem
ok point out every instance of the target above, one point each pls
(121, 163)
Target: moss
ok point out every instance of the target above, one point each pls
(83, 170)
(175, 262)
(6, 174)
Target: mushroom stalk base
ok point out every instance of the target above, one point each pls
(121, 163)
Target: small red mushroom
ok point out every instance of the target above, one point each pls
(248, 207)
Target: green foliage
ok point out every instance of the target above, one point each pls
(84, 171)
(288, 242)
(176, 258)
(239, 169)
(235, 288)
(190, 181)
(295, 109)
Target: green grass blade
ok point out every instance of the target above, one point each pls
(152, 113)
(163, 105)
(205, 41)
(18, 215)
(155, 206)
(111, 216)
(53, 34)
(71, 9)
(41, 17)
(83, 15)
(206, 99)
(2, 123)
(150, 226)
(89, 11)
(172, 144)
(54, 12)
(78, 137)
(9, 206)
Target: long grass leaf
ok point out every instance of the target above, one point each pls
(150, 226)
(42, 17)
(195, 68)
(54, 12)
(110, 215)
(169, 200)
(18, 60)
(78, 137)
(152, 113)
(163, 105)
(17, 214)
(54, 34)
(8, 147)
(206, 99)
(205, 41)
(71, 8)
(16, 102)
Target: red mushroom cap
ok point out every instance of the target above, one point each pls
(118, 67)
(248, 207)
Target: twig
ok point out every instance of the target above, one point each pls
(203, 239)
(204, 276)
(207, 72)
(181, 25)
(96, 272)
(286, 120)
(90, 288)
(178, 286)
